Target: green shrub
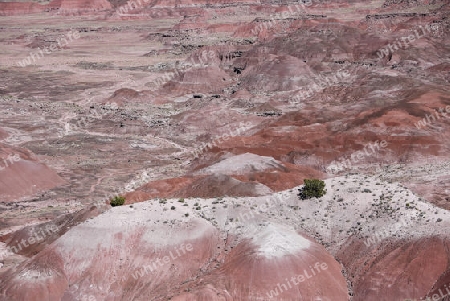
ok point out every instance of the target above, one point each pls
(312, 188)
(117, 201)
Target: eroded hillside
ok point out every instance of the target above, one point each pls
(207, 116)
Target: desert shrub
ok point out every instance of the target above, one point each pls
(312, 188)
(117, 201)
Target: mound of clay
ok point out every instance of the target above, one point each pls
(242, 164)
(22, 175)
(220, 185)
(141, 253)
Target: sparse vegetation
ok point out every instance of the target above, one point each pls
(117, 201)
(313, 188)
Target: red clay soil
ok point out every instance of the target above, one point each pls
(83, 4)
(19, 8)
(218, 185)
(251, 277)
(23, 8)
(308, 134)
(382, 100)
(410, 267)
(195, 186)
(124, 95)
(162, 188)
(281, 180)
(442, 287)
(49, 288)
(46, 233)
(24, 177)
(207, 80)
(211, 270)
(3, 134)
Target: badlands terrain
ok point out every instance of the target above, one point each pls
(207, 115)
